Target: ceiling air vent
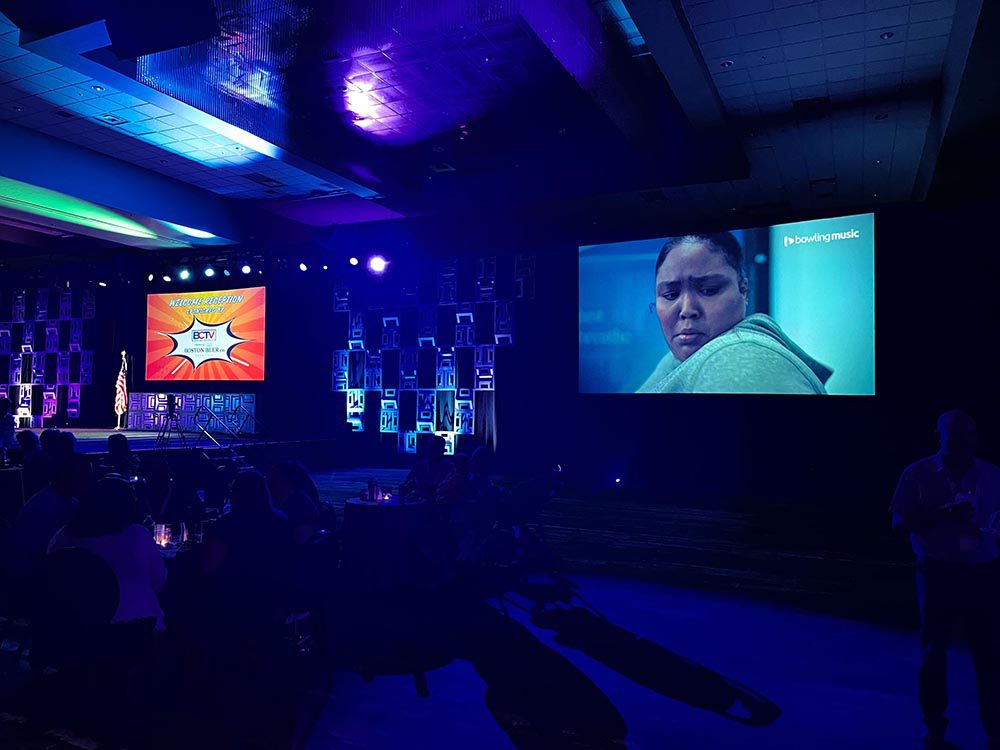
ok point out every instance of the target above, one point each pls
(109, 119)
(64, 113)
(263, 179)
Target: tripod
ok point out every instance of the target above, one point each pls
(171, 424)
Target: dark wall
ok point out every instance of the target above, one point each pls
(936, 306)
(936, 303)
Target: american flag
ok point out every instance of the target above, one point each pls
(121, 390)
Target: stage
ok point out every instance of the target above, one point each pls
(95, 440)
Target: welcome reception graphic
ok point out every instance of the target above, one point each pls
(206, 335)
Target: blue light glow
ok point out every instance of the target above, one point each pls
(377, 264)
(190, 231)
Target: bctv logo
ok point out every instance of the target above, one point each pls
(203, 335)
(798, 239)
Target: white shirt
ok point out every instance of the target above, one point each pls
(927, 484)
(137, 564)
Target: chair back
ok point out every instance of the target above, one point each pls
(77, 590)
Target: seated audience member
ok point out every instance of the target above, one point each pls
(60, 444)
(295, 495)
(36, 464)
(165, 499)
(104, 525)
(252, 542)
(45, 513)
(8, 425)
(120, 460)
(429, 474)
(453, 491)
(48, 440)
(482, 493)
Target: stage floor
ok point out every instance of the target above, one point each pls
(95, 440)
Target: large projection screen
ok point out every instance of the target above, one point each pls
(784, 309)
(206, 335)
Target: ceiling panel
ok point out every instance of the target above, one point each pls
(864, 56)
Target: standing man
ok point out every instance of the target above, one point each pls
(946, 503)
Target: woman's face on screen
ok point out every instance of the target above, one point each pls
(698, 297)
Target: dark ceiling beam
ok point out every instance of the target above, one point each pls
(574, 35)
(962, 154)
(79, 49)
(44, 161)
(669, 39)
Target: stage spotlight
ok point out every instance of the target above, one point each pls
(225, 272)
(210, 272)
(353, 261)
(246, 269)
(303, 267)
(150, 277)
(377, 265)
(166, 279)
(102, 283)
(184, 275)
(326, 267)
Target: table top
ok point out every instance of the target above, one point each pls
(394, 503)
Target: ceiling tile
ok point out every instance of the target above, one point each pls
(711, 32)
(765, 72)
(807, 79)
(937, 44)
(844, 42)
(802, 33)
(709, 12)
(771, 85)
(927, 29)
(806, 65)
(845, 73)
(798, 14)
(835, 8)
(840, 59)
(758, 22)
(759, 40)
(888, 18)
(931, 11)
(804, 49)
(884, 52)
(843, 25)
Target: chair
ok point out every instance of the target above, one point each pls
(76, 597)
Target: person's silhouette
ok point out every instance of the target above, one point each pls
(946, 503)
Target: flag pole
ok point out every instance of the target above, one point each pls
(121, 395)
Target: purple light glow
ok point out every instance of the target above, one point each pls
(377, 265)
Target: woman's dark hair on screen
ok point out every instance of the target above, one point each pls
(720, 242)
